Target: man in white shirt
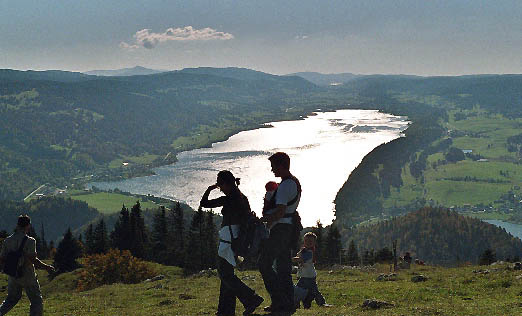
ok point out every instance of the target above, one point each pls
(277, 248)
(30, 261)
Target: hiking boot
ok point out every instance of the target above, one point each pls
(256, 301)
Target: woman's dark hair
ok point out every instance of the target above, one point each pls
(23, 221)
(225, 176)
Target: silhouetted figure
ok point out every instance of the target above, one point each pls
(27, 262)
(275, 262)
(235, 210)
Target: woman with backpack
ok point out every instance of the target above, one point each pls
(235, 208)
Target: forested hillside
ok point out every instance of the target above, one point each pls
(55, 215)
(478, 113)
(439, 236)
(56, 126)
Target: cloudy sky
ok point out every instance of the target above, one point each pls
(424, 37)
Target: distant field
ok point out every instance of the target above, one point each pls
(109, 203)
(485, 135)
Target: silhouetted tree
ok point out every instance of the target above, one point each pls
(487, 257)
(159, 236)
(333, 244)
(67, 253)
(176, 236)
(120, 236)
(210, 241)
(352, 255)
(138, 234)
(89, 240)
(44, 248)
(194, 253)
(318, 230)
(101, 241)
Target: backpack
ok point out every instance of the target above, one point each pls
(296, 218)
(251, 233)
(12, 260)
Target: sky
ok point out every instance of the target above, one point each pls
(422, 37)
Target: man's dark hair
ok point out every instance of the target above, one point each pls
(23, 220)
(280, 159)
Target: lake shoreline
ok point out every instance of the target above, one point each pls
(145, 170)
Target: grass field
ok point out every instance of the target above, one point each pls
(448, 291)
(109, 203)
(484, 134)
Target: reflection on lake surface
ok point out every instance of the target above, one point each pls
(324, 149)
(513, 229)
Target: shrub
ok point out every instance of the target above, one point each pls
(115, 266)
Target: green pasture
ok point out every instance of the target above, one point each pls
(481, 170)
(488, 215)
(108, 203)
(488, 137)
(448, 291)
(450, 193)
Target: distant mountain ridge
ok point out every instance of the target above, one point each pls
(46, 75)
(135, 71)
(326, 79)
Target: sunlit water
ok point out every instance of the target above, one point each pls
(324, 149)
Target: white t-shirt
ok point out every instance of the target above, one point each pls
(286, 192)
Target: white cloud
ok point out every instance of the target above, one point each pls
(301, 37)
(146, 38)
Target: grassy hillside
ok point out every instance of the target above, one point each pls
(477, 114)
(487, 179)
(456, 291)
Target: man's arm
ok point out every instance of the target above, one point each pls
(280, 211)
(38, 264)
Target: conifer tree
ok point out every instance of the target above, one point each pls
(318, 230)
(120, 236)
(89, 240)
(44, 248)
(101, 241)
(487, 257)
(159, 236)
(52, 250)
(67, 253)
(333, 244)
(176, 236)
(138, 234)
(194, 253)
(353, 255)
(210, 241)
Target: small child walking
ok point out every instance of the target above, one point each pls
(307, 275)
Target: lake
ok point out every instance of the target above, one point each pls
(513, 229)
(324, 149)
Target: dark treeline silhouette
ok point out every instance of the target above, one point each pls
(439, 236)
(166, 241)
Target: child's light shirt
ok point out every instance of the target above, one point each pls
(306, 268)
